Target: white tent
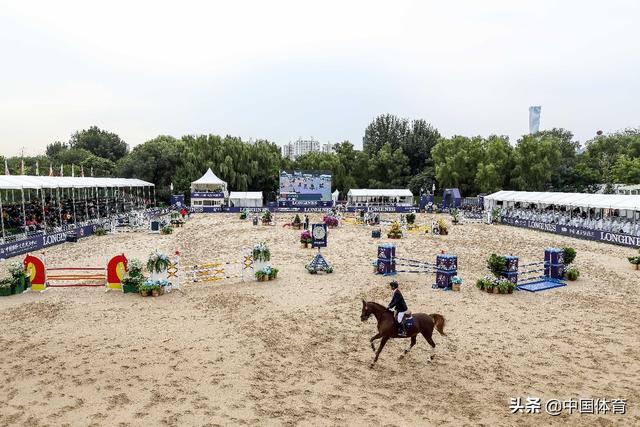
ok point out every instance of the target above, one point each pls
(245, 199)
(208, 190)
(209, 182)
(380, 196)
(580, 200)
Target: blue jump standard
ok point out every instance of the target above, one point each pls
(542, 284)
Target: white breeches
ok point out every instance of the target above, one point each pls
(400, 316)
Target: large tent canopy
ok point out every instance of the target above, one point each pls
(18, 182)
(246, 199)
(584, 200)
(208, 182)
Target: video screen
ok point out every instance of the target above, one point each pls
(305, 185)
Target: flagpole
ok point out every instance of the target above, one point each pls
(2, 217)
(24, 213)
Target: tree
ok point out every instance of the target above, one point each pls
(536, 158)
(418, 143)
(103, 144)
(389, 168)
(456, 162)
(385, 129)
(494, 168)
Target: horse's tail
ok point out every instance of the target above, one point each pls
(438, 321)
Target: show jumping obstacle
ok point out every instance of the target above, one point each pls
(530, 279)
(43, 277)
(445, 267)
(221, 270)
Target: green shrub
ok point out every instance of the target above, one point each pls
(569, 255)
(572, 273)
(497, 264)
(411, 218)
(100, 231)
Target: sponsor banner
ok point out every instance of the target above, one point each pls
(579, 232)
(236, 209)
(304, 203)
(389, 209)
(207, 195)
(35, 243)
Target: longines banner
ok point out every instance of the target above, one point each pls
(579, 232)
(35, 243)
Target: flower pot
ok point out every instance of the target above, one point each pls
(127, 288)
(144, 293)
(496, 290)
(489, 290)
(161, 290)
(455, 287)
(510, 290)
(155, 293)
(305, 245)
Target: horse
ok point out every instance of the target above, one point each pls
(423, 324)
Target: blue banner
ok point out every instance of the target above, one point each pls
(35, 243)
(389, 209)
(177, 200)
(207, 195)
(579, 232)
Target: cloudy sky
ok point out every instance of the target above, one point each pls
(283, 69)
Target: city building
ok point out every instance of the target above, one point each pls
(293, 150)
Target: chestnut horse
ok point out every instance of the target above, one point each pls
(422, 324)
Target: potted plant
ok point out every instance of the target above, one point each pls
(144, 289)
(502, 286)
(495, 215)
(411, 218)
(572, 273)
(18, 278)
(261, 253)
(273, 273)
(100, 231)
(134, 278)
(511, 287)
(442, 227)
(5, 286)
(260, 276)
(456, 282)
(480, 283)
(489, 285)
(157, 265)
(394, 232)
(297, 222)
(266, 217)
(569, 255)
(167, 229)
(496, 264)
(305, 238)
(331, 221)
(635, 260)
(244, 214)
(455, 216)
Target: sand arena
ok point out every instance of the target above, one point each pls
(294, 351)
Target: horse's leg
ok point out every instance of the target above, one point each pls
(382, 343)
(373, 338)
(413, 342)
(427, 336)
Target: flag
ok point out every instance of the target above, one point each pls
(6, 168)
(73, 172)
(50, 169)
(22, 167)
(37, 168)
(82, 171)
(172, 187)
(91, 170)
(62, 169)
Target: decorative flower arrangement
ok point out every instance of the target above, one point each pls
(634, 260)
(167, 229)
(266, 216)
(331, 221)
(244, 214)
(491, 284)
(266, 273)
(134, 277)
(411, 218)
(455, 216)
(158, 262)
(456, 282)
(442, 227)
(305, 238)
(394, 231)
(261, 253)
(153, 287)
(297, 222)
(495, 215)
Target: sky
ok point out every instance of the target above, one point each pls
(280, 70)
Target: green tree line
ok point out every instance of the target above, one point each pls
(397, 153)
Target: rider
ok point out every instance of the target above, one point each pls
(397, 303)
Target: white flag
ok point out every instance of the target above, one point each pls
(6, 168)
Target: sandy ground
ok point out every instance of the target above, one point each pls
(294, 351)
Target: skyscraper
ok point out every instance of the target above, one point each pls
(534, 119)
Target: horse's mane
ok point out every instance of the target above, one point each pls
(376, 305)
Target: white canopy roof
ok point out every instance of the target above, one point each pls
(366, 192)
(246, 195)
(587, 200)
(209, 178)
(17, 182)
